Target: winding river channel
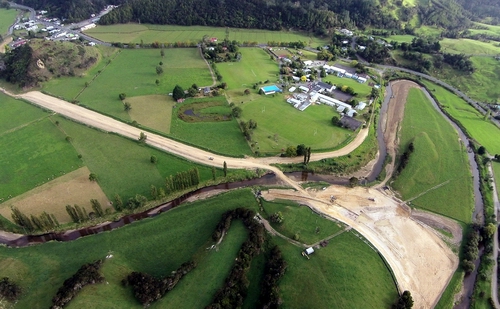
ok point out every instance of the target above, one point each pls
(15, 240)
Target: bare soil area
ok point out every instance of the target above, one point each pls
(422, 263)
(52, 197)
(393, 120)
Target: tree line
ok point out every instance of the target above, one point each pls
(148, 289)
(42, 222)
(234, 290)
(87, 274)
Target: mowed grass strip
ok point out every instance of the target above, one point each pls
(223, 137)
(123, 166)
(301, 220)
(133, 72)
(7, 18)
(134, 33)
(34, 155)
(482, 130)
(346, 274)
(15, 114)
(438, 159)
(152, 111)
(53, 196)
(281, 125)
(155, 246)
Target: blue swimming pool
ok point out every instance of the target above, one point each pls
(271, 88)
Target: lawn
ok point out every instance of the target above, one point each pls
(345, 274)
(362, 90)
(123, 166)
(301, 220)
(403, 38)
(468, 47)
(483, 131)
(152, 111)
(220, 137)
(134, 33)
(133, 72)
(428, 31)
(482, 85)
(438, 158)
(32, 155)
(496, 171)
(280, 125)
(7, 18)
(255, 66)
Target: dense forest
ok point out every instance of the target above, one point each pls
(317, 15)
(306, 15)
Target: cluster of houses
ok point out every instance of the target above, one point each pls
(316, 93)
(329, 69)
(30, 25)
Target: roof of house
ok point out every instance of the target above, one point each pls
(324, 85)
(309, 250)
(350, 123)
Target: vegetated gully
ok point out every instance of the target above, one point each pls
(269, 179)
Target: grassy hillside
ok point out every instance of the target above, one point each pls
(7, 18)
(438, 160)
(337, 274)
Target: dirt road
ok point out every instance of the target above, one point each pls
(421, 261)
(392, 121)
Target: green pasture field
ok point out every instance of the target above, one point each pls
(437, 159)
(468, 47)
(123, 166)
(134, 33)
(335, 276)
(32, 155)
(133, 72)
(496, 171)
(7, 18)
(403, 38)
(492, 29)
(428, 31)
(15, 114)
(281, 125)
(482, 85)
(255, 66)
(483, 131)
(363, 90)
(152, 111)
(69, 87)
(301, 220)
(447, 299)
(308, 55)
(220, 137)
(345, 274)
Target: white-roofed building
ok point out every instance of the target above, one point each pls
(351, 113)
(362, 80)
(304, 89)
(340, 109)
(292, 89)
(360, 106)
(309, 251)
(308, 62)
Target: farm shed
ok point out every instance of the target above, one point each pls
(309, 251)
(350, 123)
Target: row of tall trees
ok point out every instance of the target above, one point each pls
(42, 222)
(182, 180)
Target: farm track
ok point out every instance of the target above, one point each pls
(421, 262)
